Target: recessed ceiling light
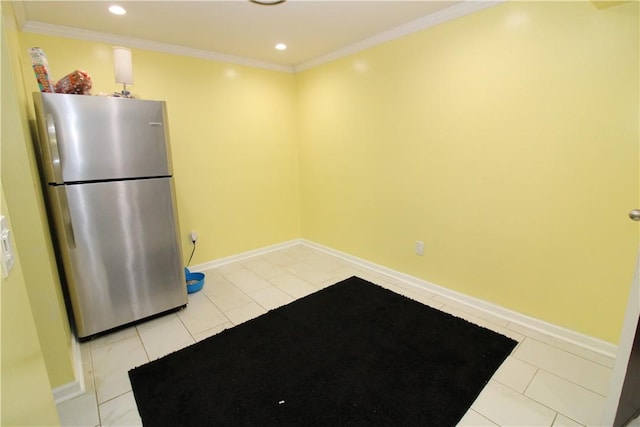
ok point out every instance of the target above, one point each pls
(117, 10)
(281, 46)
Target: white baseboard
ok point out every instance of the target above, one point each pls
(588, 342)
(245, 255)
(74, 388)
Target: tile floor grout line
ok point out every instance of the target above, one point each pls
(283, 290)
(217, 308)
(544, 404)
(185, 326)
(144, 347)
(568, 352)
(538, 369)
(237, 288)
(95, 387)
(570, 382)
(531, 380)
(552, 344)
(551, 409)
(489, 418)
(531, 398)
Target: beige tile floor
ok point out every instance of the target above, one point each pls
(545, 381)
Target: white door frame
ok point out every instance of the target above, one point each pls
(623, 354)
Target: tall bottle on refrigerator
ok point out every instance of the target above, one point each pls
(106, 166)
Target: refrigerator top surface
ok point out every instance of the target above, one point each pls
(94, 138)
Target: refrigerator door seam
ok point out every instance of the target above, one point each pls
(97, 181)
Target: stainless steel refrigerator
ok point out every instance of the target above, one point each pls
(106, 168)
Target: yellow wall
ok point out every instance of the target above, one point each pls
(26, 398)
(23, 195)
(232, 136)
(506, 140)
(25, 390)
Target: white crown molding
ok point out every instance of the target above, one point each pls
(440, 17)
(131, 42)
(419, 24)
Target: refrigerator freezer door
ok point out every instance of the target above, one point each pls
(93, 138)
(120, 251)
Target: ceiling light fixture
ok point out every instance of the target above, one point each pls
(117, 10)
(267, 2)
(281, 46)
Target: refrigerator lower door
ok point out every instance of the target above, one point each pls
(120, 250)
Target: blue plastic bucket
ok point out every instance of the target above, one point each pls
(195, 281)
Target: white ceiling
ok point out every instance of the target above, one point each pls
(242, 31)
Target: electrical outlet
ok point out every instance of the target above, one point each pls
(6, 252)
(193, 236)
(419, 248)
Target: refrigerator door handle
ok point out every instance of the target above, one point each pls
(66, 217)
(53, 149)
